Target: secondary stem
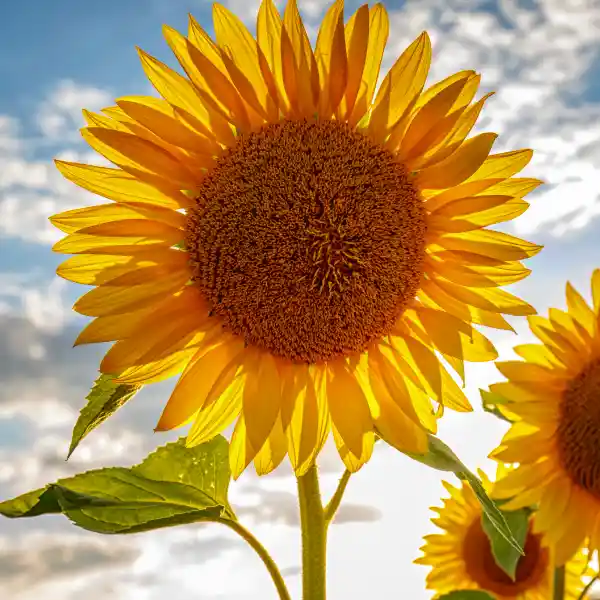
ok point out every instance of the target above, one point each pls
(334, 503)
(314, 543)
(264, 556)
(559, 583)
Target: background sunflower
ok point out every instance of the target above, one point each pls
(554, 394)
(461, 557)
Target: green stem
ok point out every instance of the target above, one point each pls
(334, 503)
(559, 584)
(314, 536)
(263, 554)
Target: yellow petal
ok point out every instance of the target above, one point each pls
(136, 241)
(241, 48)
(479, 275)
(117, 185)
(596, 290)
(580, 310)
(179, 92)
(241, 450)
(309, 424)
(262, 398)
(110, 328)
(160, 118)
(460, 165)
(538, 354)
(434, 296)
(357, 40)
(213, 418)
(211, 364)
(495, 244)
(332, 62)
(438, 381)
(172, 325)
(98, 269)
(157, 370)
(401, 86)
(300, 72)
(461, 123)
(385, 379)
(348, 406)
(131, 152)
(268, 35)
(518, 371)
(455, 337)
(273, 451)
(427, 117)
(397, 429)
(379, 27)
(351, 461)
(505, 164)
(490, 299)
(80, 218)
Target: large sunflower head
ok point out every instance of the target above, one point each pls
(461, 557)
(554, 397)
(302, 248)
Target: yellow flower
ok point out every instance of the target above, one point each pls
(461, 557)
(299, 246)
(555, 398)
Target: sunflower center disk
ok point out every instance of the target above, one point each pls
(307, 240)
(481, 564)
(578, 434)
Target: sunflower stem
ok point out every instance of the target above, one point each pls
(263, 555)
(559, 583)
(334, 503)
(314, 536)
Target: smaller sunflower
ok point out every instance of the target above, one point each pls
(461, 557)
(554, 399)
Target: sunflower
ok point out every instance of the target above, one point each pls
(301, 249)
(461, 557)
(554, 397)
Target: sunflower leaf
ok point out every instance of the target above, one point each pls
(441, 457)
(505, 555)
(467, 595)
(172, 486)
(105, 398)
(490, 402)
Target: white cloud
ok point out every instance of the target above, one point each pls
(60, 113)
(31, 189)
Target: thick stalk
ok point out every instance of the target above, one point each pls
(314, 532)
(263, 555)
(559, 584)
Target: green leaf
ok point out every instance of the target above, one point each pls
(173, 485)
(489, 402)
(441, 457)
(105, 398)
(467, 595)
(505, 555)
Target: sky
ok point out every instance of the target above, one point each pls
(542, 57)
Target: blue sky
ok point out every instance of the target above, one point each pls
(543, 59)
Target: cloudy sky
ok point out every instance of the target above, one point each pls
(542, 57)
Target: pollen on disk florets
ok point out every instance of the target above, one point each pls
(307, 239)
(578, 433)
